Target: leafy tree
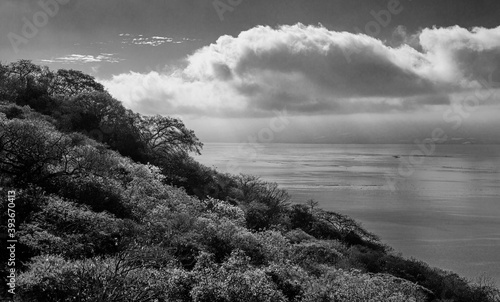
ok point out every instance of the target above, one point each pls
(164, 136)
(254, 189)
(73, 82)
(4, 93)
(350, 230)
(183, 171)
(25, 83)
(33, 151)
(265, 203)
(96, 109)
(301, 217)
(23, 74)
(346, 286)
(233, 281)
(103, 118)
(30, 148)
(54, 279)
(72, 230)
(315, 252)
(13, 111)
(257, 216)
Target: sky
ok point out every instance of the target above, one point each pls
(273, 71)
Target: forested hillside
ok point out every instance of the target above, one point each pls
(110, 206)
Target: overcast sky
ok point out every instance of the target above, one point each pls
(323, 71)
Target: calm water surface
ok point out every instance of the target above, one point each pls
(446, 213)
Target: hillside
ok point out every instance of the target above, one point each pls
(110, 206)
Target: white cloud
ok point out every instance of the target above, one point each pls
(461, 56)
(130, 39)
(159, 93)
(84, 59)
(311, 70)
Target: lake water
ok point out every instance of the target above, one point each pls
(447, 212)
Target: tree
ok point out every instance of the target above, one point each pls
(167, 143)
(104, 118)
(256, 190)
(24, 72)
(91, 110)
(3, 82)
(25, 83)
(29, 148)
(73, 82)
(112, 279)
(164, 136)
(33, 151)
(73, 230)
(348, 228)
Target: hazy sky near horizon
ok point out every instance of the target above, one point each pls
(323, 71)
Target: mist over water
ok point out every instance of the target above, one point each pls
(447, 213)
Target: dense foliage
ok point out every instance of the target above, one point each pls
(111, 207)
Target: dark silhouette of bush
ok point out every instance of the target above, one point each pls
(257, 216)
(291, 290)
(186, 254)
(302, 218)
(318, 252)
(99, 194)
(444, 285)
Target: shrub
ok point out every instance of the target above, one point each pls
(232, 281)
(257, 216)
(100, 194)
(253, 189)
(274, 246)
(301, 218)
(73, 230)
(178, 285)
(444, 285)
(221, 209)
(315, 252)
(53, 279)
(298, 236)
(348, 286)
(366, 259)
(289, 279)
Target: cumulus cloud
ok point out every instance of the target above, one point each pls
(156, 93)
(313, 70)
(462, 56)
